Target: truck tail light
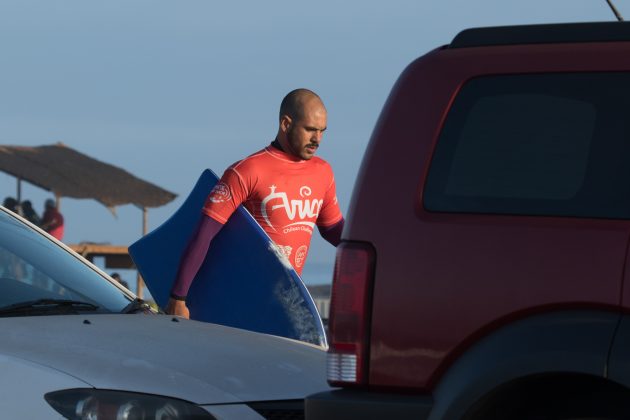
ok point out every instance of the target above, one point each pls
(350, 313)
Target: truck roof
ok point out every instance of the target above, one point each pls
(543, 34)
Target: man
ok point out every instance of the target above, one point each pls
(52, 220)
(284, 186)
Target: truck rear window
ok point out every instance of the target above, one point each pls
(539, 144)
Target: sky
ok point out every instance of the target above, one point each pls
(165, 89)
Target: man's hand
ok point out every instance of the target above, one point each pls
(178, 308)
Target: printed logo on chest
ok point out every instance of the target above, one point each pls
(301, 210)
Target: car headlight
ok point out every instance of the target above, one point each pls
(95, 404)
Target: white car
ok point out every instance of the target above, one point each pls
(77, 345)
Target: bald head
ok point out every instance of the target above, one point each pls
(294, 103)
(302, 123)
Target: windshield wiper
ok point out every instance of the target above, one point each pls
(46, 305)
(136, 305)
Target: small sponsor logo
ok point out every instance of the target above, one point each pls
(285, 250)
(300, 255)
(220, 193)
(305, 191)
(301, 227)
(282, 252)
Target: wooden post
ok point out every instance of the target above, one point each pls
(145, 221)
(145, 228)
(19, 191)
(18, 206)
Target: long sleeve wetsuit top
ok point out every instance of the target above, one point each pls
(286, 195)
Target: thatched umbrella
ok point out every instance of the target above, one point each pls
(67, 173)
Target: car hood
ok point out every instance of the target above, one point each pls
(194, 361)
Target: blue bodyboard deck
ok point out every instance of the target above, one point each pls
(244, 282)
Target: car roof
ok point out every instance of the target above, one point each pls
(542, 34)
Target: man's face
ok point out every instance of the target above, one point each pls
(305, 134)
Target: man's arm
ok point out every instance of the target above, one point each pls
(222, 201)
(332, 233)
(190, 263)
(330, 219)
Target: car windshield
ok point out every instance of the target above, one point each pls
(38, 277)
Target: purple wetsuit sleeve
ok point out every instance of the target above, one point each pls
(332, 233)
(194, 255)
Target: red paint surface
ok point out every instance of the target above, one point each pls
(444, 280)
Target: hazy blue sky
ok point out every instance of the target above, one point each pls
(165, 89)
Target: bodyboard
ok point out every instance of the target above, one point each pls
(244, 281)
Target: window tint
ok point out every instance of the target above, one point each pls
(547, 144)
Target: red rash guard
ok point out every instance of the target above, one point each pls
(286, 195)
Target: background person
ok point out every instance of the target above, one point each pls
(11, 203)
(119, 279)
(52, 220)
(284, 186)
(29, 213)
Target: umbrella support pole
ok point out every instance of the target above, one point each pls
(145, 228)
(19, 191)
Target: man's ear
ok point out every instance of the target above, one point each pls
(285, 123)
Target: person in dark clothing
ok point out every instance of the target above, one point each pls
(29, 213)
(119, 279)
(11, 204)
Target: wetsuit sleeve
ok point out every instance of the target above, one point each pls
(222, 201)
(194, 255)
(332, 233)
(229, 193)
(330, 213)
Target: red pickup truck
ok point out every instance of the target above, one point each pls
(484, 270)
